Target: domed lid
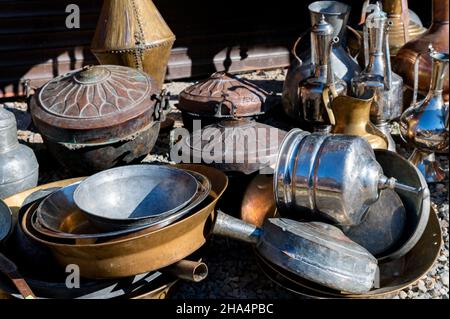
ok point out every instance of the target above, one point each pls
(236, 145)
(8, 130)
(224, 95)
(92, 98)
(7, 119)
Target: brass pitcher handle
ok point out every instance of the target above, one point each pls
(330, 89)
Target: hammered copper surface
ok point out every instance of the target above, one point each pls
(438, 36)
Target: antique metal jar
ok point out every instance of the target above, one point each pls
(222, 96)
(403, 28)
(133, 33)
(240, 147)
(344, 65)
(335, 176)
(425, 124)
(98, 117)
(318, 90)
(437, 35)
(353, 118)
(19, 168)
(377, 77)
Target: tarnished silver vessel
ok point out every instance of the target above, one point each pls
(425, 123)
(335, 176)
(19, 168)
(344, 65)
(377, 75)
(318, 90)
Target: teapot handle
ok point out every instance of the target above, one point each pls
(294, 48)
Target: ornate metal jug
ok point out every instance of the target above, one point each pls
(344, 65)
(353, 118)
(377, 77)
(19, 168)
(318, 90)
(425, 124)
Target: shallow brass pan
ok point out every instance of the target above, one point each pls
(143, 252)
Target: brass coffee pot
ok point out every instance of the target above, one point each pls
(403, 28)
(425, 124)
(353, 118)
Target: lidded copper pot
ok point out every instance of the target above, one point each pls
(222, 96)
(98, 117)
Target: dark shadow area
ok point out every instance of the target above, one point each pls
(236, 36)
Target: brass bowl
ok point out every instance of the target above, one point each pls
(59, 217)
(143, 252)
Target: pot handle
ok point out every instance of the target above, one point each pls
(10, 269)
(294, 48)
(228, 226)
(162, 105)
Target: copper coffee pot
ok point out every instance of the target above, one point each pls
(437, 35)
(425, 124)
(352, 118)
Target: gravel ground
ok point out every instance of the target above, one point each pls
(233, 272)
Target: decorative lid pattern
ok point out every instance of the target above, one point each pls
(95, 104)
(94, 92)
(224, 95)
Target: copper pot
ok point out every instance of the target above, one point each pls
(437, 36)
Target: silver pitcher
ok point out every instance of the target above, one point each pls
(377, 75)
(318, 90)
(18, 165)
(425, 123)
(344, 65)
(335, 176)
